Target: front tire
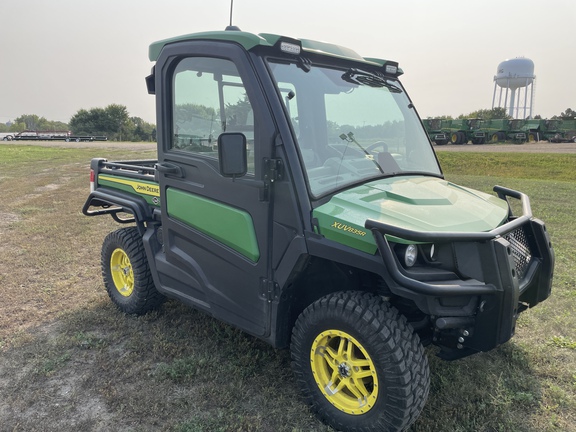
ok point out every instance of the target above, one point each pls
(359, 363)
(126, 272)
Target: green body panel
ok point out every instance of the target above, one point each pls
(228, 225)
(417, 203)
(568, 125)
(250, 40)
(568, 129)
(148, 190)
(531, 125)
(247, 40)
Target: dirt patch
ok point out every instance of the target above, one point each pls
(7, 219)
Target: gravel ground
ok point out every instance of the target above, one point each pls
(537, 147)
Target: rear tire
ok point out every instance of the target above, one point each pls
(455, 138)
(359, 364)
(126, 273)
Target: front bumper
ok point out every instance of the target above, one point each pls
(501, 273)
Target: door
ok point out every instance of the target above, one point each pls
(215, 229)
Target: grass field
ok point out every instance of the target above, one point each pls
(69, 361)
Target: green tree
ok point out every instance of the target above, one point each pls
(88, 122)
(487, 114)
(58, 126)
(32, 121)
(237, 113)
(112, 121)
(35, 123)
(569, 114)
(17, 127)
(143, 131)
(118, 121)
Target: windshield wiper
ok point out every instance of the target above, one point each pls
(371, 79)
(350, 138)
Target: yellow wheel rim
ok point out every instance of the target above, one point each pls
(122, 273)
(344, 372)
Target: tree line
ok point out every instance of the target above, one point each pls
(113, 121)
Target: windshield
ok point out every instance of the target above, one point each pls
(351, 126)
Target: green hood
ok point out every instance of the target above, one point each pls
(426, 204)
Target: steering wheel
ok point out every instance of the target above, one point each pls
(378, 144)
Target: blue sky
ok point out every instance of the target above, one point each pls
(57, 56)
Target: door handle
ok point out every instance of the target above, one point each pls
(170, 169)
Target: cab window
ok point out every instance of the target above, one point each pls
(209, 98)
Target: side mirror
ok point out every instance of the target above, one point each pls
(232, 154)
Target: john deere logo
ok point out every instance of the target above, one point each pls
(147, 189)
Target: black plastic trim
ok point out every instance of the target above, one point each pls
(118, 202)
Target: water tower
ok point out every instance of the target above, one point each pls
(515, 82)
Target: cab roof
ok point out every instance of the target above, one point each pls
(251, 40)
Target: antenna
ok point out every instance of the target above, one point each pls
(231, 11)
(232, 27)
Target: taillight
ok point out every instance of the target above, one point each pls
(92, 180)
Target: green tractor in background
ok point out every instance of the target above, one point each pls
(554, 130)
(501, 130)
(569, 129)
(464, 130)
(434, 130)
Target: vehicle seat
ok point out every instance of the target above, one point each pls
(388, 163)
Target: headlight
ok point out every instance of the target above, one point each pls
(410, 255)
(432, 252)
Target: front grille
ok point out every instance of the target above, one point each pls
(520, 251)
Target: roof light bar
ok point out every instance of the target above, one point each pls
(391, 69)
(290, 48)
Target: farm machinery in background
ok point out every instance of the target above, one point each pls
(434, 130)
(554, 131)
(501, 130)
(50, 136)
(463, 131)
(479, 131)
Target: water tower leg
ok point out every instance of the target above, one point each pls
(512, 102)
(494, 94)
(532, 97)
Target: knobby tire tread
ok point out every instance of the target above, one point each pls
(405, 370)
(145, 296)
